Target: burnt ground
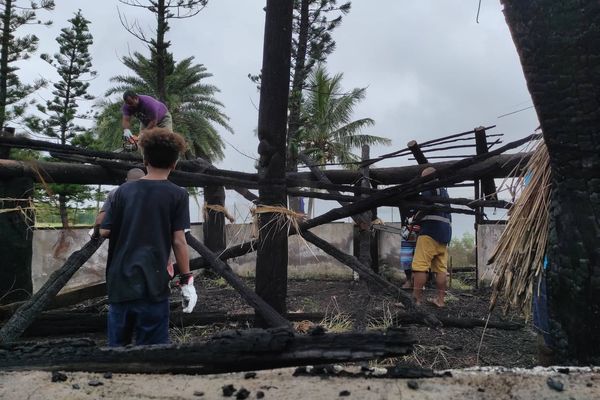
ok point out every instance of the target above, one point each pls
(341, 301)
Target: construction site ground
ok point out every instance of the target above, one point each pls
(465, 352)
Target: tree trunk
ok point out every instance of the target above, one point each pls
(557, 42)
(161, 49)
(272, 254)
(4, 42)
(295, 106)
(62, 209)
(16, 238)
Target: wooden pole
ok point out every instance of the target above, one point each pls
(272, 255)
(416, 151)
(263, 310)
(16, 239)
(488, 185)
(214, 221)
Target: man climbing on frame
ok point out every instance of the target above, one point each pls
(148, 110)
(431, 251)
(147, 218)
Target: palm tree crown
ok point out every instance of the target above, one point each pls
(192, 104)
(328, 133)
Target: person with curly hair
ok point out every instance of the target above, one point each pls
(147, 218)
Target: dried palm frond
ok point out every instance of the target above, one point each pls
(519, 255)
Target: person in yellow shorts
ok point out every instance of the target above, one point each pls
(431, 251)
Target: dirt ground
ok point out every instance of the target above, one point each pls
(342, 303)
(281, 385)
(442, 348)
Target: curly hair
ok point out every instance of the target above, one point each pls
(161, 147)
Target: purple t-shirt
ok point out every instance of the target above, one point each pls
(147, 109)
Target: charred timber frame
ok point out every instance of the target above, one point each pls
(272, 254)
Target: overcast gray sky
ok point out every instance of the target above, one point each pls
(430, 69)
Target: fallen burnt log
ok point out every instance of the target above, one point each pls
(402, 319)
(231, 351)
(29, 310)
(57, 323)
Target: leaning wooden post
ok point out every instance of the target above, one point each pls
(272, 253)
(263, 310)
(488, 185)
(416, 152)
(27, 313)
(214, 218)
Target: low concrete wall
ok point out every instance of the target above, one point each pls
(51, 248)
(487, 238)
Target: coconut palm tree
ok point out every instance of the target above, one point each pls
(328, 133)
(195, 110)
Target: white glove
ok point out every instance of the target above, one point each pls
(127, 133)
(189, 296)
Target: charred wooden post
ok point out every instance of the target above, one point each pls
(214, 219)
(272, 255)
(416, 152)
(265, 311)
(16, 239)
(488, 186)
(364, 228)
(27, 313)
(553, 39)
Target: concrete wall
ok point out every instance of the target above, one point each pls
(51, 248)
(487, 238)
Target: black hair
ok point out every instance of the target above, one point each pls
(161, 147)
(129, 93)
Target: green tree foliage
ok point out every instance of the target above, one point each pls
(15, 14)
(73, 64)
(163, 10)
(462, 251)
(192, 103)
(329, 134)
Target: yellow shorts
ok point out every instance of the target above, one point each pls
(429, 253)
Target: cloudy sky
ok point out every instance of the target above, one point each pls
(429, 68)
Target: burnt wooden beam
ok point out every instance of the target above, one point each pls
(488, 186)
(414, 148)
(249, 350)
(272, 255)
(503, 164)
(28, 311)
(114, 174)
(56, 323)
(16, 238)
(213, 227)
(266, 312)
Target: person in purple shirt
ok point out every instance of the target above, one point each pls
(149, 111)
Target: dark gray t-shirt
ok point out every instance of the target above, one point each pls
(108, 200)
(142, 218)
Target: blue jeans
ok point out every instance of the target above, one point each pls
(147, 320)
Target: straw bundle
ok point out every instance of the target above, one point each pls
(218, 209)
(519, 254)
